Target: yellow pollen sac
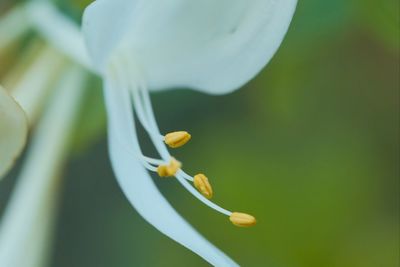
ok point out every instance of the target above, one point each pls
(170, 169)
(242, 219)
(203, 185)
(177, 139)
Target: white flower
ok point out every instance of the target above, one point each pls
(206, 45)
(48, 90)
(142, 45)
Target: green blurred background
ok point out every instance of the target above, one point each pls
(310, 146)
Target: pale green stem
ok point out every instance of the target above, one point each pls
(33, 87)
(12, 26)
(26, 226)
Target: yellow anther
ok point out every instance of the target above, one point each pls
(203, 185)
(177, 139)
(242, 219)
(170, 169)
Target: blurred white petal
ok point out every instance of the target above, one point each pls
(13, 131)
(212, 46)
(58, 30)
(12, 26)
(32, 88)
(26, 226)
(139, 187)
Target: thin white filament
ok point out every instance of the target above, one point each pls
(146, 117)
(181, 175)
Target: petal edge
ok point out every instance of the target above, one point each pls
(13, 131)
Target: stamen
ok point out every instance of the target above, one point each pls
(153, 161)
(242, 219)
(149, 121)
(158, 162)
(158, 139)
(169, 170)
(149, 167)
(203, 185)
(200, 197)
(177, 139)
(142, 106)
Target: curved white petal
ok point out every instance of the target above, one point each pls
(13, 25)
(33, 86)
(58, 30)
(139, 187)
(212, 46)
(13, 130)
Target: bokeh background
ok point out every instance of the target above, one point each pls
(310, 146)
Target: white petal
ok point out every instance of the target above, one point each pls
(139, 187)
(49, 21)
(27, 222)
(212, 46)
(32, 88)
(13, 131)
(13, 25)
